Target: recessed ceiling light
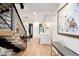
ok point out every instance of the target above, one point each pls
(34, 13)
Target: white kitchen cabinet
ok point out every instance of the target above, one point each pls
(45, 38)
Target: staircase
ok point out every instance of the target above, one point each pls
(9, 21)
(9, 16)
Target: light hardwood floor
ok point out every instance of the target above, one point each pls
(34, 48)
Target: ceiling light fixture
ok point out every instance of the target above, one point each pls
(34, 13)
(21, 5)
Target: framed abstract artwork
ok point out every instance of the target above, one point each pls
(68, 19)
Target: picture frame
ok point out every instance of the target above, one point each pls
(68, 19)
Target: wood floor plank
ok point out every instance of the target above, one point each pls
(34, 48)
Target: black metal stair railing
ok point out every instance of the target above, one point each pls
(5, 23)
(6, 16)
(9, 17)
(19, 18)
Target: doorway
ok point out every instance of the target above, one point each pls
(31, 30)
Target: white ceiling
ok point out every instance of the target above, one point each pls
(41, 9)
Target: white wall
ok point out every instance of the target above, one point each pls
(35, 29)
(70, 42)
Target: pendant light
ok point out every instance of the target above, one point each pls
(45, 22)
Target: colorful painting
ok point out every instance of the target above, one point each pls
(68, 19)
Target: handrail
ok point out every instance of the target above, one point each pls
(19, 17)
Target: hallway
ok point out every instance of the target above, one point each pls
(36, 49)
(37, 29)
